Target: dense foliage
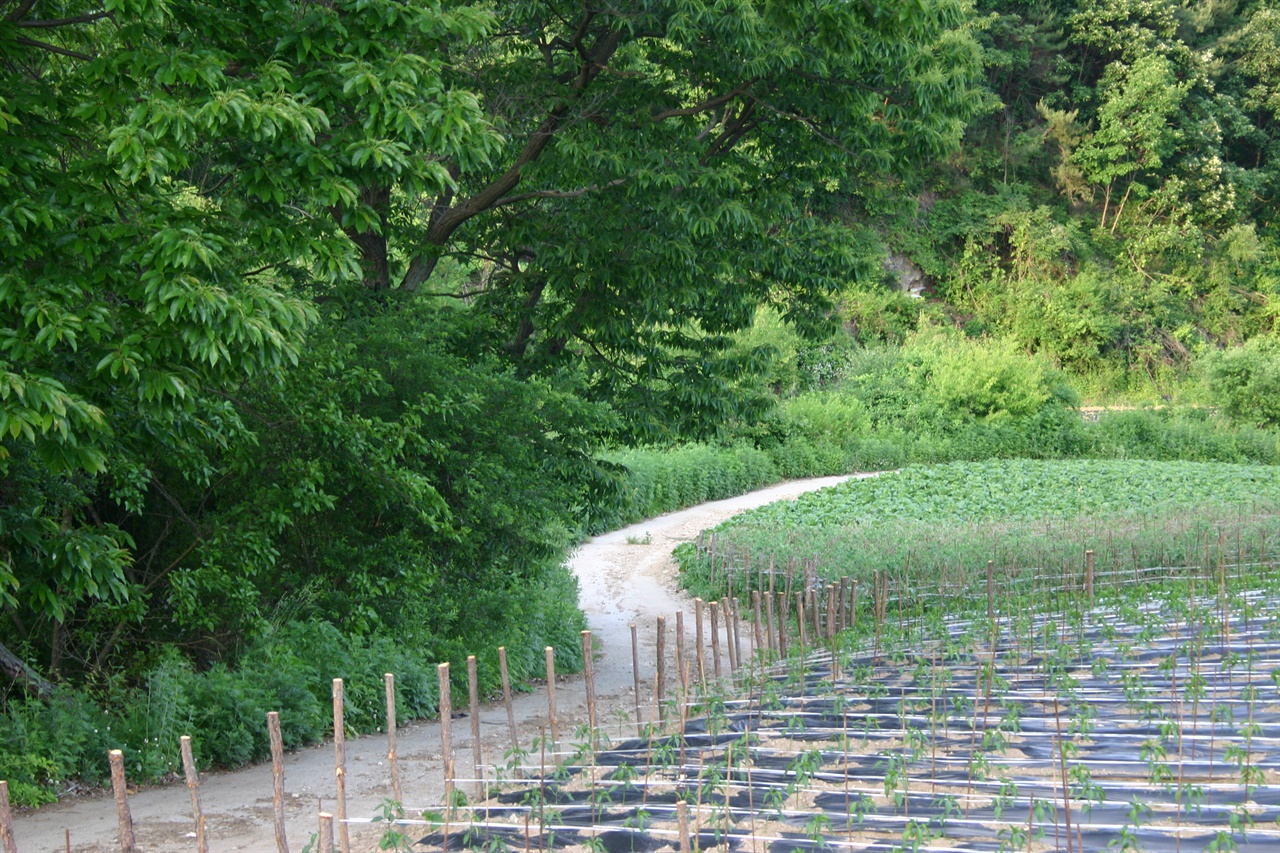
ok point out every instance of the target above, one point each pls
(1115, 212)
(328, 320)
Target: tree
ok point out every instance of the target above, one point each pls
(627, 182)
(1135, 131)
(184, 181)
(128, 302)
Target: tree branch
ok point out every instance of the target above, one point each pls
(16, 668)
(42, 45)
(445, 221)
(513, 199)
(23, 8)
(63, 22)
(709, 104)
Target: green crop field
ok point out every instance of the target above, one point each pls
(926, 522)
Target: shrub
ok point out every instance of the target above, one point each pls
(1245, 381)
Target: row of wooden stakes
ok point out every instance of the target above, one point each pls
(773, 613)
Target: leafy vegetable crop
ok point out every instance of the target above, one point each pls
(950, 520)
(1007, 490)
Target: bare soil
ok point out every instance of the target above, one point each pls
(627, 576)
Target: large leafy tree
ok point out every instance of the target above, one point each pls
(183, 181)
(628, 181)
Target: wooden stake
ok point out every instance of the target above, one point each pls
(680, 667)
(853, 604)
(715, 637)
(635, 673)
(783, 602)
(340, 764)
(758, 625)
(831, 614)
(277, 781)
(682, 825)
(326, 832)
(1088, 576)
(771, 642)
(193, 788)
(702, 663)
(393, 760)
(6, 820)
(589, 675)
(737, 634)
(660, 692)
(550, 655)
(844, 603)
(804, 639)
(991, 589)
(473, 691)
(118, 787)
(506, 699)
(726, 610)
(446, 745)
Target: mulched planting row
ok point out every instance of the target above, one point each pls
(1161, 718)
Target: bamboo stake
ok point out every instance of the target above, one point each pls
(277, 782)
(506, 698)
(635, 673)
(118, 787)
(393, 760)
(589, 675)
(340, 765)
(6, 820)
(446, 746)
(473, 694)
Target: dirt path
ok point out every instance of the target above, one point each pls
(620, 583)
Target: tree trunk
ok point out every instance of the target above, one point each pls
(16, 669)
(372, 243)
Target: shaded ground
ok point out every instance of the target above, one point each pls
(621, 582)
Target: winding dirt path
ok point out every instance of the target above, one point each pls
(621, 582)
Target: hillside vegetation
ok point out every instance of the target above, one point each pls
(329, 327)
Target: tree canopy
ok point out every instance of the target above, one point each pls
(331, 301)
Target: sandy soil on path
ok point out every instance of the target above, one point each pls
(621, 583)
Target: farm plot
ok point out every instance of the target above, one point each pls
(947, 521)
(1150, 722)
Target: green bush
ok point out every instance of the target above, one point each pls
(1245, 381)
(1194, 435)
(289, 669)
